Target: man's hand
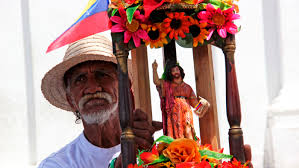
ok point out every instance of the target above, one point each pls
(143, 130)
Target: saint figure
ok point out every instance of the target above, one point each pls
(177, 98)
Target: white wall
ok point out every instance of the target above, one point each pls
(13, 143)
(55, 127)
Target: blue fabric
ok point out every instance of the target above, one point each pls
(81, 154)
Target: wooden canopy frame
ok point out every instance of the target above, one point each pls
(205, 86)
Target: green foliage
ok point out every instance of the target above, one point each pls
(186, 42)
(114, 12)
(219, 4)
(140, 162)
(130, 13)
(214, 155)
(165, 139)
(162, 158)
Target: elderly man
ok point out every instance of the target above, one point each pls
(85, 82)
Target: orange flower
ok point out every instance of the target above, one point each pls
(198, 31)
(161, 147)
(182, 150)
(157, 38)
(176, 24)
(231, 3)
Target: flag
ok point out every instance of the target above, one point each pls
(94, 19)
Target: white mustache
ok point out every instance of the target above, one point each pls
(97, 95)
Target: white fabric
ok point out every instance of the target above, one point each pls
(81, 154)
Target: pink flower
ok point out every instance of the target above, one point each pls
(220, 20)
(132, 30)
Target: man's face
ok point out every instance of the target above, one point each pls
(93, 91)
(175, 72)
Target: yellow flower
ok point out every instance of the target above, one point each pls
(198, 31)
(157, 38)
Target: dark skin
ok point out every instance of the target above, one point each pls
(97, 76)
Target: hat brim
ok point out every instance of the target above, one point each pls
(53, 87)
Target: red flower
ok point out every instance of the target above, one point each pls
(202, 164)
(219, 20)
(149, 157)
(131, 30)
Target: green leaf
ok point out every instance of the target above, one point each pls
(239, 28)
(186, 42)
(114, 12)
(219, 4)
(130, 13)
(165, 139)
(162, 158)
(214, 155)
(140, 162)
(200, 7)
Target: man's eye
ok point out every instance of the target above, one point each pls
(101, 74)
(80, 78)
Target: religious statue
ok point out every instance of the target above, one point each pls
(177, 98)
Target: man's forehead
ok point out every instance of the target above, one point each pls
(108, 67)
(95, 65)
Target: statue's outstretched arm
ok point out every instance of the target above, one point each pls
(156, 79)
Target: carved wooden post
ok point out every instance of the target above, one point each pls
(125, 105)
(142, 93)
(233, 101)
(205, 87)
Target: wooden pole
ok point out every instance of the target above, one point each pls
(233, 101)
(125, 105)
(205, 87)
(142, 93)
(169, 52)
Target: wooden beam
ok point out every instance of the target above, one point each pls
(205, 87)
(169, 52)
(142, 93)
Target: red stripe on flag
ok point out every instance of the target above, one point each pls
(96, 23)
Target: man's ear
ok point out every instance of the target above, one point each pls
(69, 100)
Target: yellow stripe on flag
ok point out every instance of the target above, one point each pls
(90, 3)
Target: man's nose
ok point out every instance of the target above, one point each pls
(93, 86)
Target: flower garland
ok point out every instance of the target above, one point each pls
(186, 21)
(183, 153)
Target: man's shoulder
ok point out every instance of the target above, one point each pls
(50, 162)
(60, 158)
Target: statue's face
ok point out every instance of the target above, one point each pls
(175, 72)
(93, 91)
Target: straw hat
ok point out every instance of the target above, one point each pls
(95, 47)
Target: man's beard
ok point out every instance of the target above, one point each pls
(102, 115)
